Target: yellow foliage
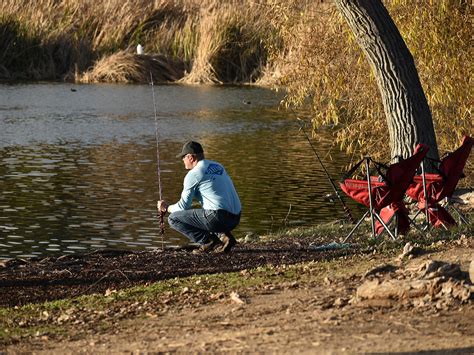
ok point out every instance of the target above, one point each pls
(328, 68)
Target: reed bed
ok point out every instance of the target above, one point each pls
(219, 41)
(232, 44)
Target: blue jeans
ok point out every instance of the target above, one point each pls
(200, 225)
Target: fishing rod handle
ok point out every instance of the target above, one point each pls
(161, 217)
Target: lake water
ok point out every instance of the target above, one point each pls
(78, 165)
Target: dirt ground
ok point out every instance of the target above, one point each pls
(46, 279)
(327, 316)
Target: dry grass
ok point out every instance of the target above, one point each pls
(208, 44)
(72, 34)
(124, 67)
(232, 44)
(209, 36)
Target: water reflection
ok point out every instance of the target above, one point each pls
(81, 174)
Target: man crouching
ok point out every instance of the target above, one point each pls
(208, 182)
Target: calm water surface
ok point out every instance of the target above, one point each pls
(78, 168)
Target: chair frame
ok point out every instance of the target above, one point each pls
(464, 154)
(373, 214)
(398, 178)
(428, 224)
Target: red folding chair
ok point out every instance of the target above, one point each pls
(384, 195)
(440, 186)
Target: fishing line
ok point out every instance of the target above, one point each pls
(344, 206)
(161, 214)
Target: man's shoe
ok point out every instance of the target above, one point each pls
(228, 242)
(209, 246)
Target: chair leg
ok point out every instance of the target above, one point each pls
(462, 218)
(371, 208)
(416, 214)
(413, 223)
(425, 225)
(372, 224)
(384, 225)
(356, 226)
(396, 225)
(388, 223)
(425, 192)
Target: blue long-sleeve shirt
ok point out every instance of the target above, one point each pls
(210, 184)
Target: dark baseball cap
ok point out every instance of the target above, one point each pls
(190, 147)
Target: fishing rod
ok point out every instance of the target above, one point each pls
(161, 214)
(344, 206)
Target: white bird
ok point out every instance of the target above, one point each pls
(140, 49)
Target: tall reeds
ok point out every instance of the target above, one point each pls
(232, 44)
(220, 41)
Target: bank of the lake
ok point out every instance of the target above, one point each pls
(317, 293)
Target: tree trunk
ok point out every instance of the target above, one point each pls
(406, 109)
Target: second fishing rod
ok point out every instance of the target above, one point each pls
(344, 206)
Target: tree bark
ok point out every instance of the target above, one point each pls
(406, 108)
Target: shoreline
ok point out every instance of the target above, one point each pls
(310, 298)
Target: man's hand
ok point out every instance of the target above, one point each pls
(162, 206)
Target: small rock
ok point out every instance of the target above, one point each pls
(294, 284)
(409, 251)
(380, 269)
(216, 296)
(234, 296)
(464, 197)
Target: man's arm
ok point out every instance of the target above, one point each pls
(187, 195)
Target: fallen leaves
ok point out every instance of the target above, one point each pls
(109, 292)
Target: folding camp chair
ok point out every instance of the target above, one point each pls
(440, 186)
(384, 195)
